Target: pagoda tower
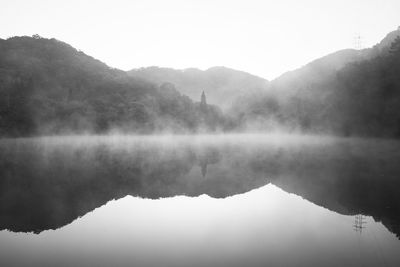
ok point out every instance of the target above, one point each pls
(203, 102)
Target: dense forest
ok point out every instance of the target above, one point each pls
(48, 87)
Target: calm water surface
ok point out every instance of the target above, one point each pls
(236, 200)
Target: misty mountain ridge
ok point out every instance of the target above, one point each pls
(224, 85)
(49, 87)
(221, 84)
(349, 92)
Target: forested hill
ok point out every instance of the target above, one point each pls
(325, 67)
(221, 84)
(344, 93)
(49, 87)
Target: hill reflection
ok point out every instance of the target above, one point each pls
(47, 183)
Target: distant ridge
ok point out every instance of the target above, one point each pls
(221, 84)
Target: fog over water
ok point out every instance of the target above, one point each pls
(200, 200)
(184, 133)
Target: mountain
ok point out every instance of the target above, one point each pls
(325, 68)
(49, 87)
(220, 84)
(348, 93)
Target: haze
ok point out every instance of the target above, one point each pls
(265, 38)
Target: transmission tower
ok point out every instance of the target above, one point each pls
(358, 45)
(359, 223)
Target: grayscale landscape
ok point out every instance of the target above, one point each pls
(204, 164)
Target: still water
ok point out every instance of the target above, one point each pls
(228, 200)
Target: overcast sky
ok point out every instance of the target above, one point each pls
(262, 37)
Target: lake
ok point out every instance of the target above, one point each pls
(206, 200)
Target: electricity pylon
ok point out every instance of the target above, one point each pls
(358, 42)
(359, 223)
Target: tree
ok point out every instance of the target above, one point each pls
(395, 46)
(36, 36)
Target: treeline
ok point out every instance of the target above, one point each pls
(48, 87)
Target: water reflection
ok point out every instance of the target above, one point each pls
(207, 156)
(47, 183)
(263, 227)
(359, 223)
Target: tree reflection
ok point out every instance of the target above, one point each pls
(46, 185)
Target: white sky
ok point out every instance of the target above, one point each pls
(265, 38)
